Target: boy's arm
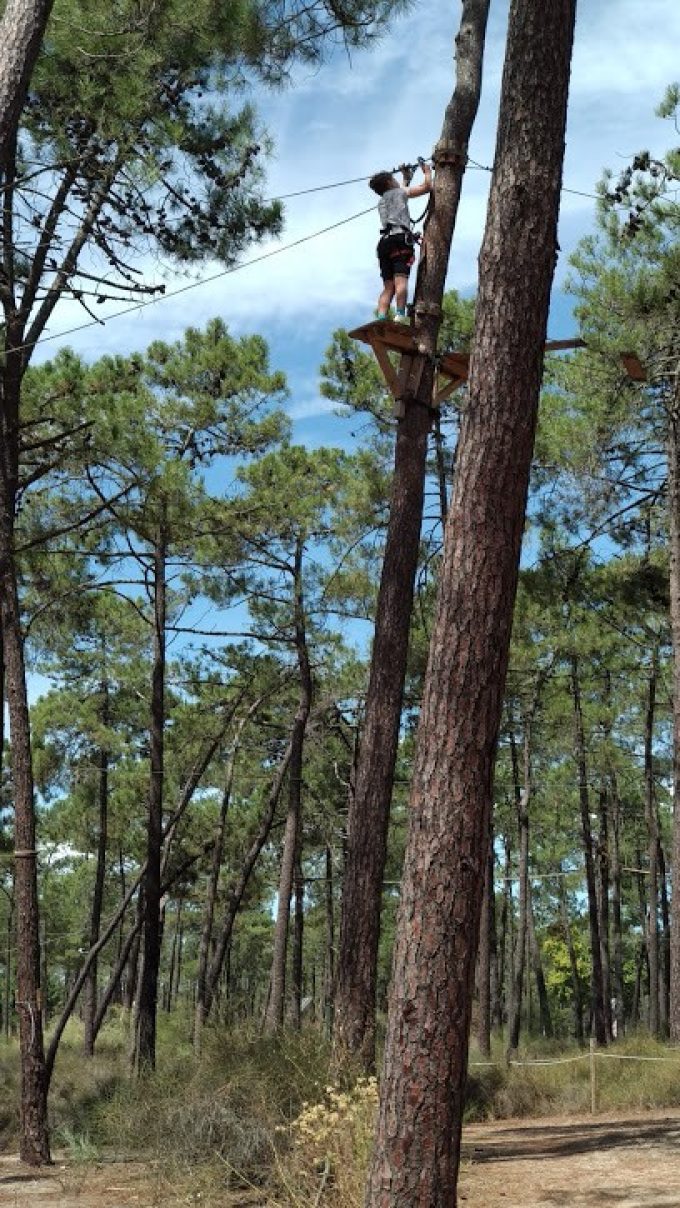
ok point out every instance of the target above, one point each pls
(424, 187)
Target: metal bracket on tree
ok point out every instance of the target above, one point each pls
(449, 153)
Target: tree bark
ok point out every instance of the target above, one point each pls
(235, 895)
(673, 503)
(211, 895)
(298, 942)
(292, 837)
(486, 955)
(664, 974)
(90, 989)
(651, 819)
(21, 30)
(417, 1151)
(545, 1017)
(145, 1039)
(603, 907)
(34, 1136)
(597, 989)
(522, 795)
(577, 1004)
(617, 925)
(355, 1001)
(329, 961)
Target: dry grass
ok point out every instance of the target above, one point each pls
(252, 1112)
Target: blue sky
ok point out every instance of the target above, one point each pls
(355, 115)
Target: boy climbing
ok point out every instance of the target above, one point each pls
(395, 249)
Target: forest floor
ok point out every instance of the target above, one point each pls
(613, 1161)
(620, 1160)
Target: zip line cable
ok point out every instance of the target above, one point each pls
(183, 289)
(137, 306)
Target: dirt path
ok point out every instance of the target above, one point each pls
(610, 1162)
(567, 1161)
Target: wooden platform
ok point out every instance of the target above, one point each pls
(385, 337)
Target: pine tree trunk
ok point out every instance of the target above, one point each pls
(211, 901)
(90, 988)
(597, 989)
(298, 937)
(665, 985)
(422, 1092)
(7, 996)
(21, 29)
(485, 956)
(617, 926)
(170, 986)
(329, 962)
(522, 794)
(545, 1017)
(355, 1002)
(577, 1005)
(292, 835)
(235, 895)
(673, 504)
(505, 943)
(603, 908)
(34, 1138)
(651, 819)
(147, 1005)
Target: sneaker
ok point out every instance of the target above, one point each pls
(400, 318)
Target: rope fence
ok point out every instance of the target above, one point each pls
(592, 1056)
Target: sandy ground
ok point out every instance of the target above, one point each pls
(615, 1161)
(609, 1162)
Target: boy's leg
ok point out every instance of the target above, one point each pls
(385, 299)
(401, 292)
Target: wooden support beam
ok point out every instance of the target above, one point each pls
(447, 389)
(388, 370)
(384, 337)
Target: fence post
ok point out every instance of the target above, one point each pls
(593, 1078)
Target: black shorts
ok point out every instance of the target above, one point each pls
(395, 255)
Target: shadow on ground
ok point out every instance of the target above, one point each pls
(571, 1140)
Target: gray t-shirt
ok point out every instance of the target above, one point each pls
(393, 209)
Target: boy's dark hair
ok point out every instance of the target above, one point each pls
(381, 182)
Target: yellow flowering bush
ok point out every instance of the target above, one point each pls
(330, 1146)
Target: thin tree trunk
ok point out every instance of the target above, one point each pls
(235, 895)
(603, 906)
(368, 819)
(174, 958)
(298, 937)
(522, 795)
(292, 835)
(485, 956)
(147, 1004)
(34, 1136)
(90, 988)
(7, 1003)
(577, 1004)
(545, 1017)
(617, 927)
(211, 897)
(329, 962)
(651, 819)
(417, 1151)
(665, 986)
(673, 504)
(505, 944)
(643, 959)
(597, 997)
